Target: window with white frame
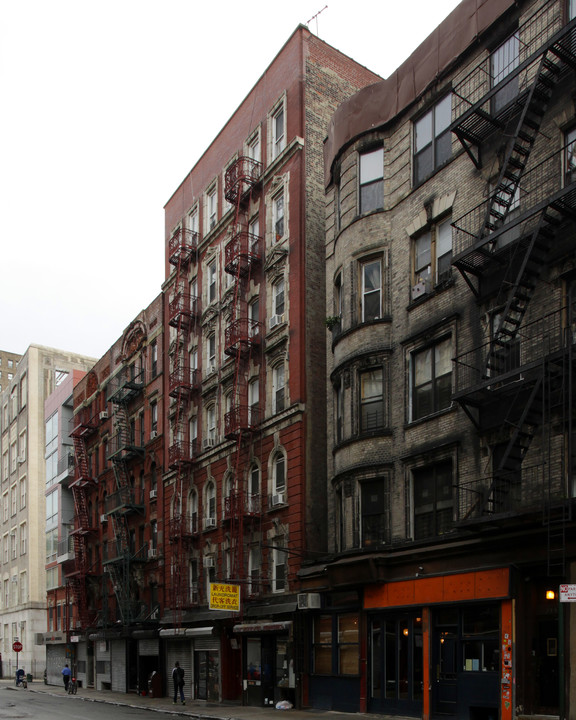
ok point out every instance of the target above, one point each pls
(211, 353)
(13, 500)
(431, 379)
(5, 472)
(22, 493)
(6, 546)
(211, 423)
(211, 281)
(278, 130)
(278, 388)
(503, 61)
(14, 401)
(193, 510)
(254, 317)
(210, 505)
(278, 216)
(278, 477)
(6, 505)
(193, 221)
(254, 234)
(432, 258)
(371, 185)
(211, 207)
(23, 538)
(253, 498)
(13, 544)
(23, 390)
(278, 301)
(253, 148)
(23, 588)
(432, 139)
(433, 502)
(193, 427)
(254, 402)
(279, 570)
(371, 298)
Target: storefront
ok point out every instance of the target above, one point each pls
(442, 646)
(268, 674)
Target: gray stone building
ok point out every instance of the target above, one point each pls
(451, 278)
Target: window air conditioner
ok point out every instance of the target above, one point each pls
(153, 494)
(103, 518)
(209, 562)
(153, 434)
(308, 601)
(103, 415)
(21, 459)
(208, 442)
(209, 522)
(276, 320)
(277, 499)
(418, 290)
(211, 369)
(152, 553)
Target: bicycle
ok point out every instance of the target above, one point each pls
(72, 686)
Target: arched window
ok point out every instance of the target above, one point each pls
(278, 386)
(278, 478)
(193, 511)
(210, 505)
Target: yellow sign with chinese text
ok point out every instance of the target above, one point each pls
(224, 597)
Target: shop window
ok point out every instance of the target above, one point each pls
(336, 644)
(433, 500)
(371, 180)
(432, 140)
(431, 379)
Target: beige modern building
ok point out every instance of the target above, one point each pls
(23, 506)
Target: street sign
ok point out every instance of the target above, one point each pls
(567, 593)
(17, 646)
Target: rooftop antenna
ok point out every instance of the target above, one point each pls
(315, 17)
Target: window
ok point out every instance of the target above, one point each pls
(211, 207)
(278, 131)
(23, 539)
(570, 155)
(431, 379)
(253, 147)
(279, 574)
(278, 300)
(60, 376)
(51, 453)
(23, 390)
(432, 258)
(339, 633)
(339, 409)
(154, 417)
(211, 352)
(278, 396)
(13, 500)
(503, 61)
(371, 400)
(154, 358)
(432, 140)
(571, 9)
(253, 498)
(193, 509)
(212, 281)
(371, 290)
(373, 509)
(22, 493)
(13, 401)
(278, 216)
(254, 569)
(211, 423)
(254, 317)
(210, 505)
(193, 220)
(279, 473)
(433, 502)
(372, 180)
(254, 402)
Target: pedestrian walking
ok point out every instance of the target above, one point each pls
(66, 673)
(178, 680)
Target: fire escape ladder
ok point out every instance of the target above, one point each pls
(556, 517)
(81, 455)
(519, 292)
(507, 474)
(119, 574)
(520, 145)
(81, 506)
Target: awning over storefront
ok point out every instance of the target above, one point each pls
(187, 632)
(261, 627)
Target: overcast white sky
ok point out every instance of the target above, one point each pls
(105, 107)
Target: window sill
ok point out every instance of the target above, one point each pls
(438, 413)
(384, 432)
(436, 290)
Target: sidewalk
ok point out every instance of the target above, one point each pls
(199, 709)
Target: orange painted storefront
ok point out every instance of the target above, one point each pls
(476, 586)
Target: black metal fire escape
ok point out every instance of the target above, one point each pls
(510, 236)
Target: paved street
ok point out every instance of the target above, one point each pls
(49, 702)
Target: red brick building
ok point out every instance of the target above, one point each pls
(200, 435)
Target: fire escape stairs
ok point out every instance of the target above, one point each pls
(524, 429)
(519, 146)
